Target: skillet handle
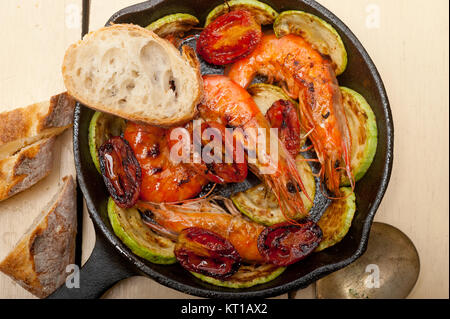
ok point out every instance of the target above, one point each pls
(104, 268)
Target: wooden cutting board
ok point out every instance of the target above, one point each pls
(408, 41)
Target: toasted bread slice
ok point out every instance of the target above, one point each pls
(25, 126)
(25, 168)
(38, 262)
(130, 72)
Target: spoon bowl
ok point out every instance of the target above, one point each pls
(388, 270)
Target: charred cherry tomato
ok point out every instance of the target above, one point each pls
(216, 169)
(285, 244)
(225, 173)
(205, 252)
(229, 38)
(222, 172)
(283, 115)
(121, 171)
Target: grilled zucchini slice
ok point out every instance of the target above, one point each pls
(260, 204)
(337, 219)
(173, 24)
(247, 276)
(143, 242)
(103, 126)
(363, 130)
(319, 33)
(263, 13)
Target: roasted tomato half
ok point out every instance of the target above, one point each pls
(283, 115)
(285, 244)
(214, 164)
(121, 171)
(205, 252)
(218, 169)
(229, 38)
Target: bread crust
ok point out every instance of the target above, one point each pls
(189, 54)
(26, 168)
(38, 261)
(190, 58)
(37, 120)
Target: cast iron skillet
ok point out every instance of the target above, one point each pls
(112, 261)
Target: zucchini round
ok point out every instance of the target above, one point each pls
(103, 126)
(175, 24)
(319, 33)
(263, 13)
(260, 204)
(363, 130)
(337, 219)
(247, 276)
(143, 242)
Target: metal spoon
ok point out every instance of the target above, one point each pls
(387, 270)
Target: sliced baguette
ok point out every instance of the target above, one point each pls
(25, 168)
(38, 261)
(25, 126)
(130, 72)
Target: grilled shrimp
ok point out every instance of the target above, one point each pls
(162, 180)
(243, 234)
(305, 74)
(231, 105)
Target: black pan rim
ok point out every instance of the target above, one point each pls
(301, 282)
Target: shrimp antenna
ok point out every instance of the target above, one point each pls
(284, 209)
(228, 5)
(299, 184)
(306, 149)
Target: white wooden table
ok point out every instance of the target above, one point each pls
(408, 41)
